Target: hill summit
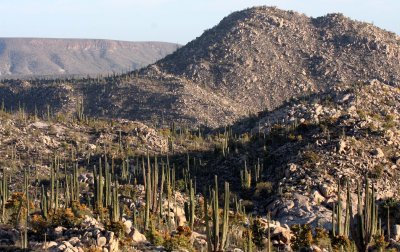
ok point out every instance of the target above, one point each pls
(261, 56)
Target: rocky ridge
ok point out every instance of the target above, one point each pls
(344, 134)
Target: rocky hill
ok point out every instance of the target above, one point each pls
(260, 57)
(253, 60)
(41, 57)
(344, 134)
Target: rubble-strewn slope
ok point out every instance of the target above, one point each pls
(261, 57)
(37, 56)
(346, 133)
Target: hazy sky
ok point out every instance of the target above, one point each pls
(163, 20)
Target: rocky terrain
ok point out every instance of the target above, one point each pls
(271, 131)
(350, 132)
(27, 57)
(295, 155)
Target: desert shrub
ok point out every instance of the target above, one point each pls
(389, 122)
(16, 207)
(377, 171)
(322, 238)
(302, 237)
(299, 138)
(258, 233)
(38, 224)
(180, 185)
(379, 242)
(263, 189)
(310, 157)
(117, 227)
(180, 240)
(154, 236)
(341, 242)
(292, 137)
(362, 114)
(127, 191)
(80, 210)
(63, 217)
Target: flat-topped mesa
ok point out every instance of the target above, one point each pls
(45, 56)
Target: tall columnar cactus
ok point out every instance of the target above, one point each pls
(114, 209)
(107, 184)
(339, 211)
(43, 203)
(215, 211)
(169, 194)
(4, 196)
(100, 188)
(349, 211)
(76, 183)
(134, 218)
(217, 241)
(269, 232)
(57, 195)
(249, 243)
(147, 198)
(95, 189)
(26, 191)
(338, 227)
(160, 196)
(154, 185)
(52, 185)
(24, 233)
(190, 206)
(245, 177)
(225, 220)
(365, 222)
(79, 110)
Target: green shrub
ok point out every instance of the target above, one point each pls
(310, 157)
(263, 189)
(180, 185)
(155, 237)
(302, 237)
(64, 217)
(322, 238)
(117, 227)
(377, 171)
(177, 242)
(341, 242)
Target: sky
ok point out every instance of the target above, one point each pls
(177, 21)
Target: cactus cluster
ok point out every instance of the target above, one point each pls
(361, 226)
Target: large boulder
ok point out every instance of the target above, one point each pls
(136, 236)
(282, 234)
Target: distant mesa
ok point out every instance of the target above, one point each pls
(43, 56)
